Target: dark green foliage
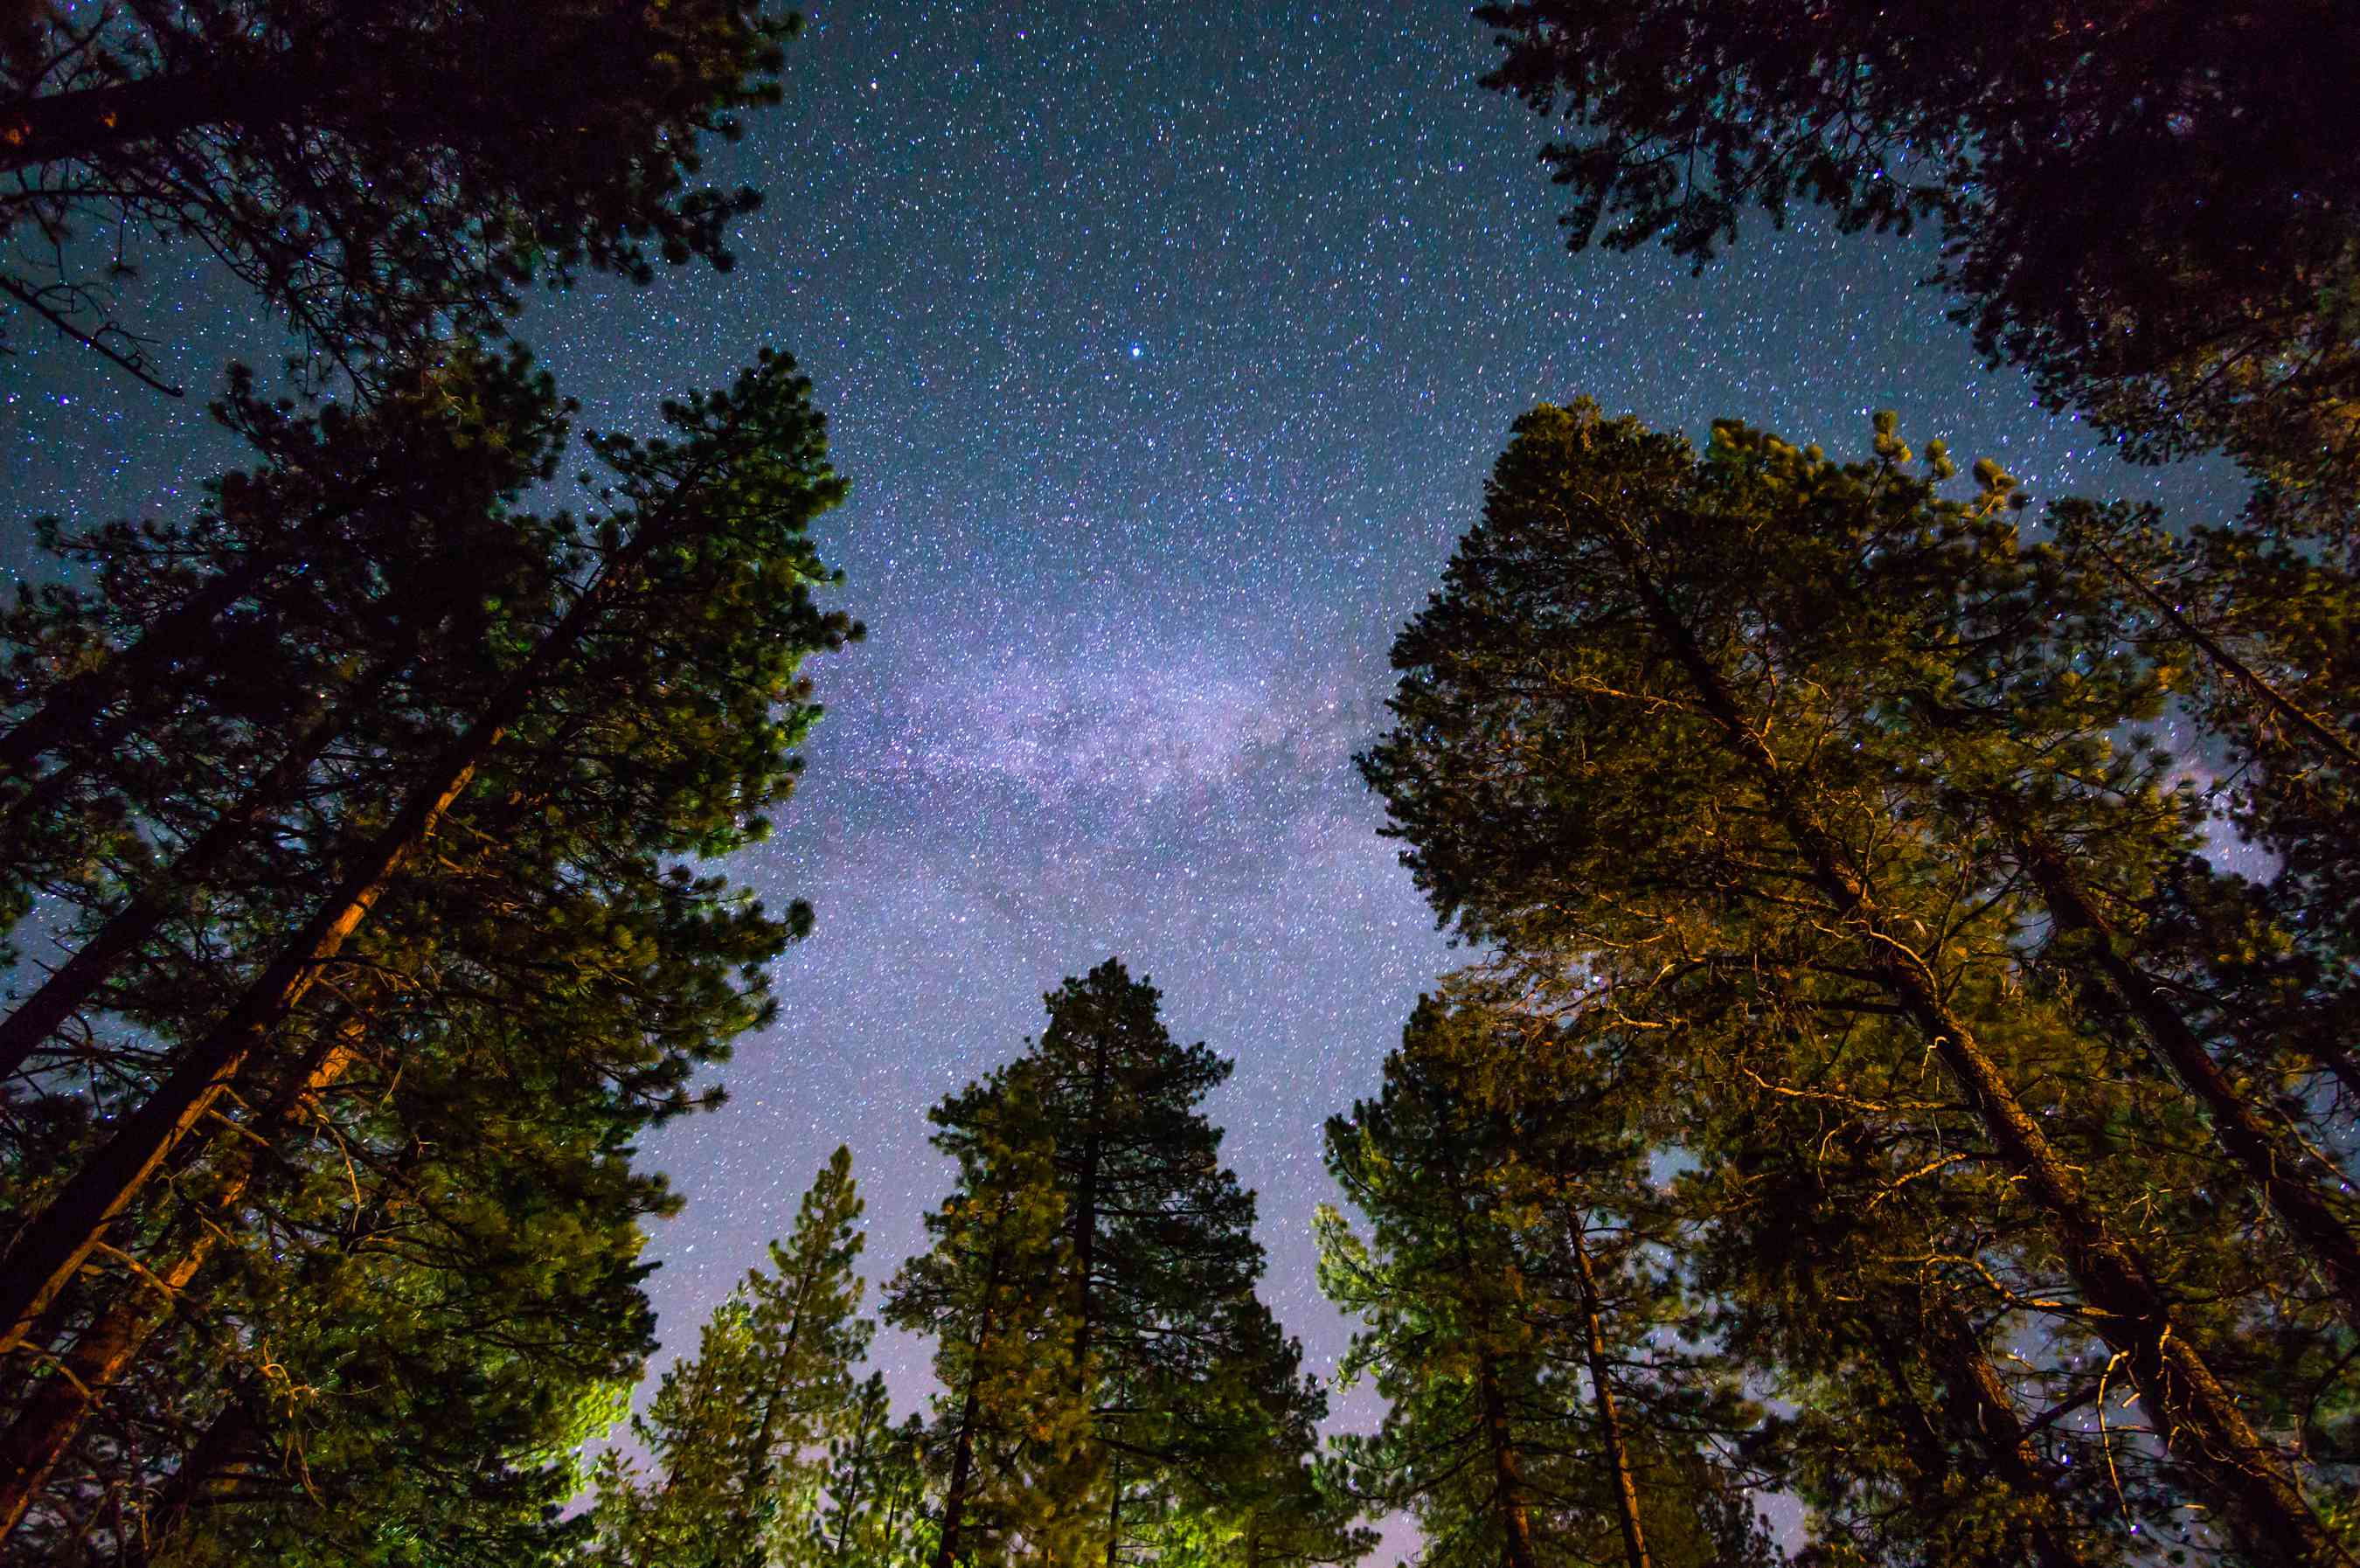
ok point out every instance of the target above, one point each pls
(740, 1433)
(1005, 1455)
(216, 672)
(376, 172)
(396, 1211)
(872, 1512)
(1158, 1403)
(2039, 138)
(1549, 1401)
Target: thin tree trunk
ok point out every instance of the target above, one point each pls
(962, 1481)
(1928, 1455)
(1602, 1393)
(209, 1458)
(64, 993)
(199, 1468)
(1508, 1488)
(954, 1497)
(2248, 1140)
(56, 1241)
(2313, 728)
(1979, 1403)
(863, 1458)
(1114, 1510)
(758, 1460)
(2259, 1503)
(1507, 1469)
(46, 1428)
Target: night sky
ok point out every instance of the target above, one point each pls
(1165, 348)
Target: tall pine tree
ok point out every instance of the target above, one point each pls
(1659, 724)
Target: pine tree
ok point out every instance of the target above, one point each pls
(1638, 738)
(739, 1433)
(1183, 1405)
(438, 1251)
(708, 523)
(2040, 141)
(274, 647)
(1005, 1449)
(873, 1509)
(1518, 1317)
(636, 705)
(2252, 636)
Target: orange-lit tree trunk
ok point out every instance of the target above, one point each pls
(2259, 1503)
(56, 1240)
(80, 978)
(1602, 1394)
(46, 1428)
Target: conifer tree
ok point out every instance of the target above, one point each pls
(279, 645)
(707, 526)
(1183, 1405)
(873, 1509)
(2251, 636)
(633, 702)
(1541, 1412)
(2039, 140)
(739, 1433)
(1638, 740)
(376, 173)
(1005, 1449)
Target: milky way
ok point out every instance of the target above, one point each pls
(1165, 348)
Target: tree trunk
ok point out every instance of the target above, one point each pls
(757, 1480)
(2259, 1503)
(1928, 1455)
(1980, 1403)
(1507, 1470)
(2317, 730)
(46, 1428)
(1507, 1465)
(65, 992)
(207, 1458)
(2249, 1141)
(56, 1241)
(954, 1495)
(1114, 1511)
(1602, 1393)
(91, 120)
(243, 1420)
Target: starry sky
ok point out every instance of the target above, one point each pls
(1165, 347)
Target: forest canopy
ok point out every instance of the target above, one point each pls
(1898, 1108)
(2145, 206)
(377, 174)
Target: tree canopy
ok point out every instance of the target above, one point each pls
(2039, 138)
(379, 174)
(1808, 773)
